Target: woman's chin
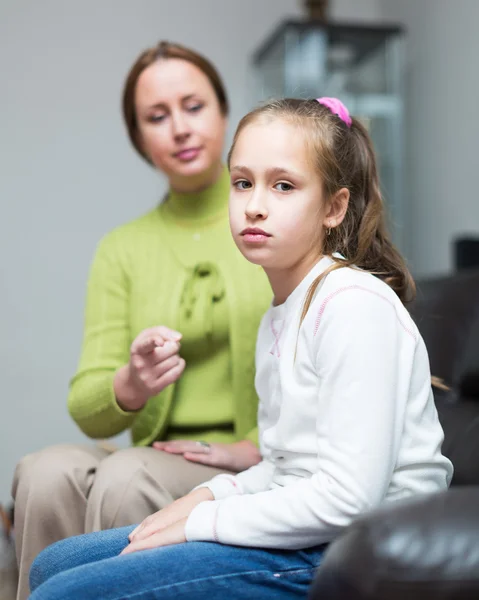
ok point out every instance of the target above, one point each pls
(194, 168)
(185, 169)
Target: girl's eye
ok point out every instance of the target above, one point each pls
(242, 184)
(282, 186)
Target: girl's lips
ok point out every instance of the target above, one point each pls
(255, 238)
(254, 235)
(188, 154)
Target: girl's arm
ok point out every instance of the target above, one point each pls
(364, 359)
(253, 480)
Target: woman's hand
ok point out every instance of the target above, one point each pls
(167, 517)
(232, 457)
(154, 364)
(174, 534)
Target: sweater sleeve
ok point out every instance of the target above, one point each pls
(253, 480)
(106, 342)
(358, 356)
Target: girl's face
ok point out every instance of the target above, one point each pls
(180, 123)
(277, 208)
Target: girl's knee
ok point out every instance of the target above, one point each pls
(45, 565)
(62, 559)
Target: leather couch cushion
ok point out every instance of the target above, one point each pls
(460, 421)
(415, 550)
(469, 384)
(446, 312)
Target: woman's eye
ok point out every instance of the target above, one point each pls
(157, 118)
(242, 184)
(282, 186)
(195, 108)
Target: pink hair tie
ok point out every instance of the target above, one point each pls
(337, 108)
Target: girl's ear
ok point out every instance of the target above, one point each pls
(338, 205)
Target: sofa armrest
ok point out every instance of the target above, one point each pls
(460, 421)
(423, 548)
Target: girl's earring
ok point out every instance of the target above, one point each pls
(328, 230)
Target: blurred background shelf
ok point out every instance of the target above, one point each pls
(360, 64)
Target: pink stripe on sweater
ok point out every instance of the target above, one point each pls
(231, 479)
(363, 289)
(277, 336)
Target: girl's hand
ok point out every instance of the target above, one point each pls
(232, 457)
(165, 518)
(154, 364)
(174, 534)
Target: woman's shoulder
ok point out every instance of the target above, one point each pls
(132, 232)
(138, 226)
(129, 245)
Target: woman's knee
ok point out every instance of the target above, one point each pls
(117, 471)
(45, 472)
(123, 492)
(55, 482)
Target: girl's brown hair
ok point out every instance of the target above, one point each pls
(165, 50)
(344, 158)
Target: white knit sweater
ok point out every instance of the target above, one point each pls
(346, 424)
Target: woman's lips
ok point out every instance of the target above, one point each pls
(188, 154)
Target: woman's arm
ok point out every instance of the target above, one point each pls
(92, 402)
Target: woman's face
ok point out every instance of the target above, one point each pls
(180, 123)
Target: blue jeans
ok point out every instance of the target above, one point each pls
(89, 566)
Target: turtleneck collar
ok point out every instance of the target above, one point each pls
(197, 206)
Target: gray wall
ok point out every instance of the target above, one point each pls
(442, 117)
(355, 10)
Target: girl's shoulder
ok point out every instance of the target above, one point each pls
(353, 294)
(351, 279)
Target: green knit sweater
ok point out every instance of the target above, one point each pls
(176, 266)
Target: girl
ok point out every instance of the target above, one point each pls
(347, 418)
(172, 273)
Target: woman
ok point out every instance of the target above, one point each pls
(169, 289)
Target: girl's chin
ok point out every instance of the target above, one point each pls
(255, 256)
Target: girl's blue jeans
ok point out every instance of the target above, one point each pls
(89, 567)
